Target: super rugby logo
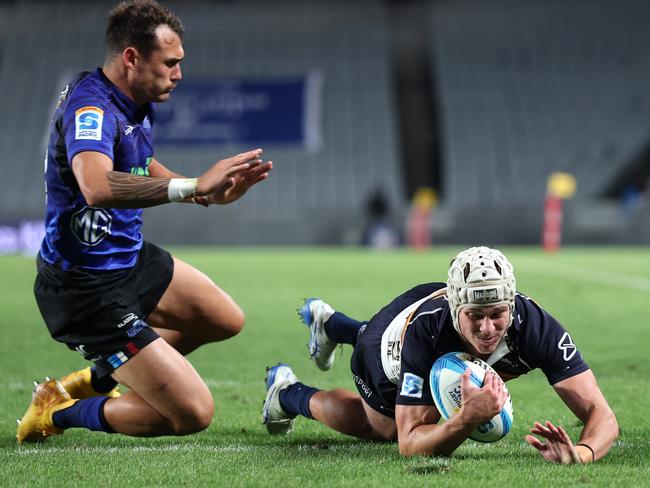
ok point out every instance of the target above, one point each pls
(88, 123)
(91, 225)
(412, 386)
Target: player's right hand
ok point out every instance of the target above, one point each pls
(558, 448)
(221, 176)
(479, 405)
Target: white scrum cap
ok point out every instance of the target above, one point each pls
(480, 277)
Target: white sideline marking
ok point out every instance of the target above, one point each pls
(117, 450)
(177, 448)
(213, 383)
(576, 273)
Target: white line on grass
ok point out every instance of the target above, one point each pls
(121, 449)
(576, 273)
(177, 448)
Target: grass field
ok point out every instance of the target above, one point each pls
(600, 295)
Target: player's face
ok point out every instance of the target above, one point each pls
(483, 327)
(158, 75)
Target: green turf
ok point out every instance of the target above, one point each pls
(600, 295)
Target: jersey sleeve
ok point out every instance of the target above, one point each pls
(548, 346)
(417, 358)
(89, 126)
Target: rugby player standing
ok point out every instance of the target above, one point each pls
(479, 312)
(123, 303)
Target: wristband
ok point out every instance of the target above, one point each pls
(181, 188)
(593, 454)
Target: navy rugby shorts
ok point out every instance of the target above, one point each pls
(102, 314)
(368, 374)
(367, 371)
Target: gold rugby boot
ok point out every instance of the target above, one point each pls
(79, 386)
(37, 424)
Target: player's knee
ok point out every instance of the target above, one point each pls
(235, 322)
(194, 417)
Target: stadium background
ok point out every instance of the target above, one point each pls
(480, 101)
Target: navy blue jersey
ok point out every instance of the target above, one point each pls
(423, 331)
(92, 114)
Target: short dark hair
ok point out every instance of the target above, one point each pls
(133, 23)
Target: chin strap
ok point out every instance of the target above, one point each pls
(501, 350)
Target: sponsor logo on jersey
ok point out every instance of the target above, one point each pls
(412, 386)
(88, 123)
(139, 170)
(394, 350)
(129, 129)
(567, 346)
(91, 225)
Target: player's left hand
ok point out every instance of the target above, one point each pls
(238, 184)
(558, 447)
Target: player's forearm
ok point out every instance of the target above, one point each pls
(158, 170)
(436, 439)
(599, 433)
(132, 191)
(124, 190)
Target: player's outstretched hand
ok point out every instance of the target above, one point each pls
(230, 178)
(241, 182)
(558, 447)
(481, 404)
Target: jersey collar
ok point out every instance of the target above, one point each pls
(134, 112)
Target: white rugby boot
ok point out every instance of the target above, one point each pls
(314, 313)
(278, 378)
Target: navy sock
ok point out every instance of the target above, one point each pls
(342, 329)
(294, 400)
(87, 413)
(101, 385)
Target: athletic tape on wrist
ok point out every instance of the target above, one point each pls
(181, 188)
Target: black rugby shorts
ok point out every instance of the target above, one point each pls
(102, 314)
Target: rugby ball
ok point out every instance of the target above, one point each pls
(445, 382)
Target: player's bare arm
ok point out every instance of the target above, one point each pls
(104, 187)
(159, 170)
(240, 184)
(420, 434)
(583, 397)
(132, 191)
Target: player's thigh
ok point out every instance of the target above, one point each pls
(194, 304)
(170, 384)
(381, 424)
